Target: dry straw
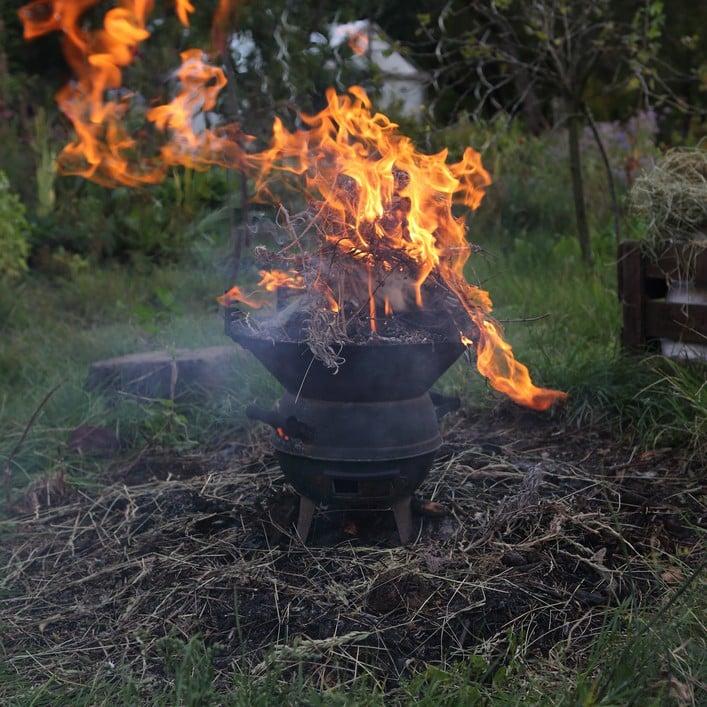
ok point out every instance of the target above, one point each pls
(202, 544)
(672, 196)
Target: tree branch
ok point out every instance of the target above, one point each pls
(609, 174)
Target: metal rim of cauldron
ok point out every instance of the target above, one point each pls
(370, 372)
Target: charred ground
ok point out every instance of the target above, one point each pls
(539, 529)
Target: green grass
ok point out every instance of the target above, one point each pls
(562, 321)
(564, 324)
(52, 330)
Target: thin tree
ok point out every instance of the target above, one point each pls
(543, 57)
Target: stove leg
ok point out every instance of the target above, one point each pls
(306, 514)
(403, 518)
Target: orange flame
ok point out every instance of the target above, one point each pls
(225, 17)
(383, 204)
(183, 8)
(103, 149)
(390, 196)
(198, 149)
(272, 280)
(358, 42)
(495, 361)
(235, 294)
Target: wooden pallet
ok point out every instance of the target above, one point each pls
(643, 285)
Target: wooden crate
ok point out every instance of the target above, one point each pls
(643, 286)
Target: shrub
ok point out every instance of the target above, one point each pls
(14, 231)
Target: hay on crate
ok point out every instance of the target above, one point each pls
(672, 197)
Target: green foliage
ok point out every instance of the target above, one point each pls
(471, 681)
(46, 164)
(528, 56)
(166, 426)
(288, 73)
(527, 208)
(671, 409)
(554, 57)
(647, 660)
(154, 224)
(29, 132)
(14, 231)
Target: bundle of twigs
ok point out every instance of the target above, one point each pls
(345, 287)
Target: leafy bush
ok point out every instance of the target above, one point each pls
(14, 231)
(156, 224)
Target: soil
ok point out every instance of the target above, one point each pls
(525, 531)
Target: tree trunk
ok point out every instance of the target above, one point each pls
(530, 106)
(580, 209)
(240, 237)
(609, 174)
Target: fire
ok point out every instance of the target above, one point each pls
(270, 281)
(201, 84)
(183, 9)
(392, 198)
(273, 280)
(355, 34)
(103, 148)
(382, 207)
(358, 42)
(234, 295)
(495, 361)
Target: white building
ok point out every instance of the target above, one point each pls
(403, 83)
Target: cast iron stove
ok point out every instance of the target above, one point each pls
(364, 435)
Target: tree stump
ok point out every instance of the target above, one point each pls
(164, 374)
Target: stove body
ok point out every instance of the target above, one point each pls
(364, 435)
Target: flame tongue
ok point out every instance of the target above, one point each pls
(104, 151)
(380, 201)
(103, 147)
(380, 211)
(201, 84)
(495, 360)
(385, 206)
